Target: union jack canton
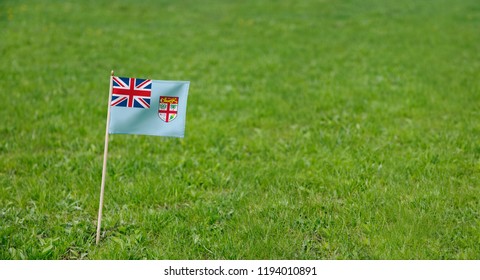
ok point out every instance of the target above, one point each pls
(131, 92)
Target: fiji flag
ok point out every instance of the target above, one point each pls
(150, 107)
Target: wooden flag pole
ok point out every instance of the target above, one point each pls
(104, 169)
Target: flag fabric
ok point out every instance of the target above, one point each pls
(131, 92)
(149, 107)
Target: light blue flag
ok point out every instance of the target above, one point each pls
(149, 107)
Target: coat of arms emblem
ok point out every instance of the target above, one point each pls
(168, 108)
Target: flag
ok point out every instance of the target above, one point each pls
(149, 107)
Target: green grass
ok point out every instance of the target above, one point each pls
(315, 130)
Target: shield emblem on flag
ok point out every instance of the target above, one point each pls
(168, 108)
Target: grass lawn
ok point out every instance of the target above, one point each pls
(334, 129)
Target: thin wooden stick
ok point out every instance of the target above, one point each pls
(104, 169)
